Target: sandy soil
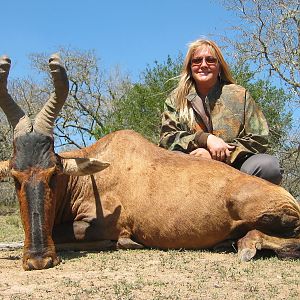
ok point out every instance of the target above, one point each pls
(150, 274)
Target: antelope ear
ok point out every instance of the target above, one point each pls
(4, 169)
(82, 166)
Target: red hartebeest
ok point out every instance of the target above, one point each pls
(144, 196)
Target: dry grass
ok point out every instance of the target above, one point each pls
(149, 274)
(11, 228)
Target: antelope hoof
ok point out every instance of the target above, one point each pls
(246, 254)
(127, 243)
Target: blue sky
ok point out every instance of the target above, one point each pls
(130, 33)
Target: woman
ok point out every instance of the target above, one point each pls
(208, 115)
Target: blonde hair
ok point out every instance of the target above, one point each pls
(186, 81)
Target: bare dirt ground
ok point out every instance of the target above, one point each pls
(151, 274)
(145, 274)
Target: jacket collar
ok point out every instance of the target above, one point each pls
(212, 96)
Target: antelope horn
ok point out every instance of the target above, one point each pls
(44, 121)
(15, 115)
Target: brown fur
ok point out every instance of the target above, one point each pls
(151, 197)
(168, 200)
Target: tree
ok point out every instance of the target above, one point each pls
(141, 107)
(91, 91)
(268, 36)
(89, 100)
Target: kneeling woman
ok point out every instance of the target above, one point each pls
(209, 115)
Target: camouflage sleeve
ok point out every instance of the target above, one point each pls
(253, 137)
(174, 135)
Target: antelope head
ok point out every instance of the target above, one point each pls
(35, 166)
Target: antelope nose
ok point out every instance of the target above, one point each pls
(39, 263)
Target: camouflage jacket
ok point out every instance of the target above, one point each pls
(230, 113)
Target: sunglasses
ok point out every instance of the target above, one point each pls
(210, 60)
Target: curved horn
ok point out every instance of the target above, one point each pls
(15, 115)
(44, 121)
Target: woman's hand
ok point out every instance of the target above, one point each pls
(201, 152)
(218, 149)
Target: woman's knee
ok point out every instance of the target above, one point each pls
(264, 166)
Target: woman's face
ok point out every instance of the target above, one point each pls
(205, 69)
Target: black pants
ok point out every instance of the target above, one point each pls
(264, 166)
